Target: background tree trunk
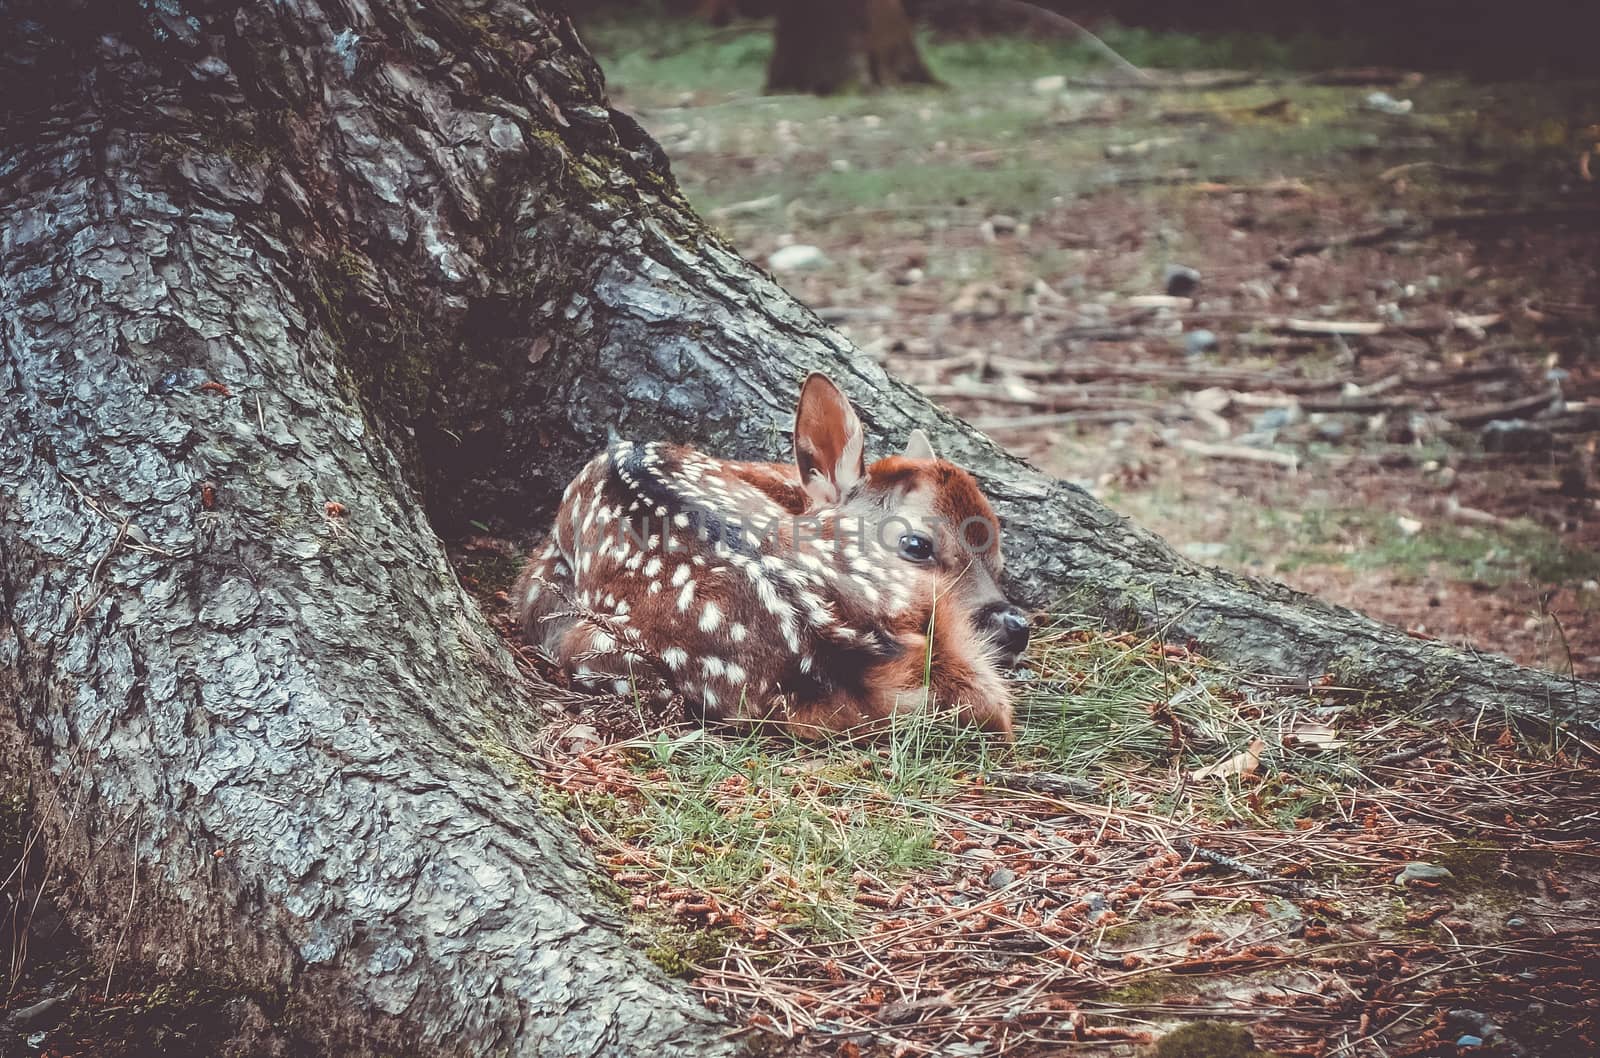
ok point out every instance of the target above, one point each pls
(827, 46)
(278, 278)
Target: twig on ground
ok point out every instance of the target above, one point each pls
(1287, 460)
(1400, 756)
(1478, 414)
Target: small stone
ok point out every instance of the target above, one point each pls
(1469, 1041)
(1181, 281)
(840, 165)
(1003, 224)
(1384, 103)
(1001, 877)
(1332, 431)
(1410, 527)
(1422, 872)
(49, 1009)
(1049, 86)
(1516, 922)
(1196, 343)
(1276, 419)
(797, 258)
(1474, 1022)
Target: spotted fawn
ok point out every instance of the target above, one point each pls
(825, 596)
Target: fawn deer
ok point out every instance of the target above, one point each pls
(826, 595)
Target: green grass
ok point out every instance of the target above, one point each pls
(782, 824)
(684, 55)
(990, 140)
(763, 822)
(1278, 540)
(1489, 556)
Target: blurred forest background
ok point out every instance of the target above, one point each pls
(1310, 290)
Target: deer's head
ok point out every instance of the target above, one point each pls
(914, 509)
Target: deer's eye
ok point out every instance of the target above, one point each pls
(916, 547)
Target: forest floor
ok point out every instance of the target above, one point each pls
(1384, 386)
(1170, 851)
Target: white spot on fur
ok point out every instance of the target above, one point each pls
(675, 657)
(710, 617)
(770, 598)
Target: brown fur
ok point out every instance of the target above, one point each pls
(809, 624)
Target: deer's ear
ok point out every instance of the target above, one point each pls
(829, 447)
(919, 447)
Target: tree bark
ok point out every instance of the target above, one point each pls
(290, 286)
(828, 46)
(264, 725)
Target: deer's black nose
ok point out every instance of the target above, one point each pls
(1009, 626)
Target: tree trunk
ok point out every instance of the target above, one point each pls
(828, 46)
(276, 279)
(266, 729)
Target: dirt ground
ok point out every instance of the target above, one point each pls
(1007, 243)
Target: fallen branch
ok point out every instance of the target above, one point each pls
(1288, 460)
(1204, 379)
(1445, 222)
(1056, 398)
(1400, 756)
(1341, 328)
(1188, 82)
(1360, 405)
(1474, 516)
(1003, 423)
(1478, 414)
(1061, 786)
(1390, 175)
